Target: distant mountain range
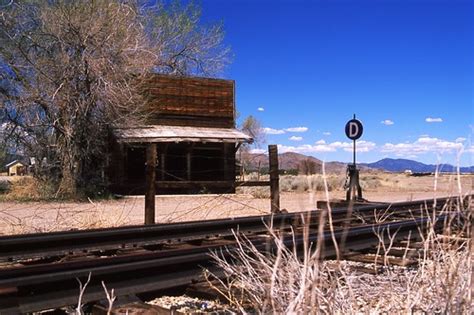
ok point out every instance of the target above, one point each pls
(292, 161)
(400, 165)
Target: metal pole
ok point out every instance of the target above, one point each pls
(354, 153)
(354, 148)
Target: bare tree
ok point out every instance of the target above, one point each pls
(252, 127)
(185, 46)
(3, 156)
(309, 167)
(76, 69)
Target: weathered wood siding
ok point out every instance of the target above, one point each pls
(181, 168)
(185, 101)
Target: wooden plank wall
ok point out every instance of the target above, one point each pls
(211, 163)
(190, 101)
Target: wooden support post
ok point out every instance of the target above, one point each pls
(150, 183)
(274, 179)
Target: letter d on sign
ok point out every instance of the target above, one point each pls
(354, 129)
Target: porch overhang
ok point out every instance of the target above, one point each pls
(163, 133)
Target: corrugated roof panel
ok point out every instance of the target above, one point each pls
(161, 133)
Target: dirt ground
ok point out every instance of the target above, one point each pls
(25, 217)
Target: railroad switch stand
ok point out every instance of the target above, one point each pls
(352, 183)
(354, 129)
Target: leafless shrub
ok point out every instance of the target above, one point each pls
(4, 186)
(110, 298)
(290, 282)
(302, 183)
(43, 221)
(267, 283)
(29, 189)
(309, 167)
(82, 290)
(260, 192)
(370, 183)
(77, 69)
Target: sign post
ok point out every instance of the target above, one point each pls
(354, 130)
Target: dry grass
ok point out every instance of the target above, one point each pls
(43, 221)
(18, 216)
(335, 182)
(317, 182)
(288, 283)
(27, 188)
(302, 183)
(284, 283)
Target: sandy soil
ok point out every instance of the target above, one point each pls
(49, 216)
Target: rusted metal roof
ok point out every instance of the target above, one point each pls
(12, 163)
(161, 133)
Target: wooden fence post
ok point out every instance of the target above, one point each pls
(274, 178)
(150, 191)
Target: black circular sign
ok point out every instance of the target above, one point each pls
(354, 129)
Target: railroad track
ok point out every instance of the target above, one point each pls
(42, 245)
(173, 256)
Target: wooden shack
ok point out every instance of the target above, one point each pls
(16, 168)
(192, 122)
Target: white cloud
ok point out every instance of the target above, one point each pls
(364, 146)
(422, 145)
(258, 151)
(361, 146)
(297, 129)
(322, 146)
(433, 120)
(387, 122)
(460, 139)
(305, 148)
(326, 133)
(409, 156)
(261, 109)
(427, 140)
(295, 138)
(271, 131)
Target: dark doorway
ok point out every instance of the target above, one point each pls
(136, 159)
(176, 168)
(207, 162)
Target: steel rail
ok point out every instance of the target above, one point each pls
(40, 287)
(38, 245)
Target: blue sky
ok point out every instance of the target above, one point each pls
(405, 68)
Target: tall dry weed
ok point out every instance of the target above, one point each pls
(43, 221)
(301, 183)
(288, 282)
(28, 189)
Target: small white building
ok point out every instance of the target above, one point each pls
(16, 168)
